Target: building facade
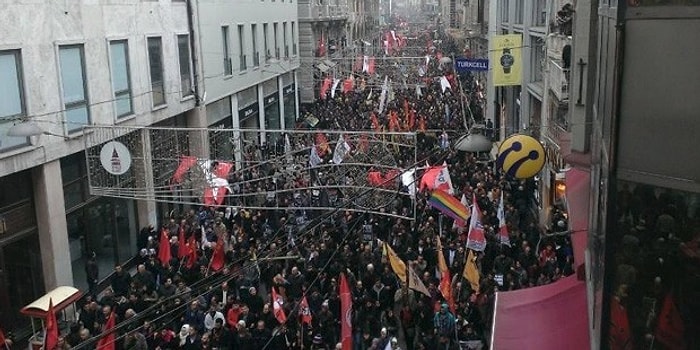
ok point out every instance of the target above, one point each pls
(65, 66)
(249, 65)
(645, 222)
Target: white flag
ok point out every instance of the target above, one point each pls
(341, 149)
(335, 86)
(314, 158)
(382, 96)
(419, 93)
(445, 84)
(365, 64)
(408, 179)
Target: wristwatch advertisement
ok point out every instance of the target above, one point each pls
(507, 60)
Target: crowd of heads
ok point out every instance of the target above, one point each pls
(302, 253)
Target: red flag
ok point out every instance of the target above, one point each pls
(222, 170)
(620, 335)
(305, 311)
(421, 124)
(375, 123)
(107, 341)
(217, 258)
(375, 178)
(394, 122)
(51, 337)
(345, 313)
(411, 120)
(502, 227)
(192, 253)
(669, 327)
(389, 39)
(390, 177)
(277, 303)
(348, 85)
(164, 248)
(321, 46)
(445, 279)
(370, 66)
(325, 87)
(181, 244)
(186, 162)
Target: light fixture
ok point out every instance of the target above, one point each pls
(29, 129)
(474, 142)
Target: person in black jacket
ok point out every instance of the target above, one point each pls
(220, 336)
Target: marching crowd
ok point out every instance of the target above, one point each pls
(216, 290)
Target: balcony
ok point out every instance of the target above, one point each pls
(558, 78)
(315, 12)
(556, 44)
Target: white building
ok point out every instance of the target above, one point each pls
(249, 60)
(65, 65)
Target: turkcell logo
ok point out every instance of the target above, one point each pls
(471, 64)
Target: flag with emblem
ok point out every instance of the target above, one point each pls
(345, 313)
(277, 303)
(305, 311)
(51, 336)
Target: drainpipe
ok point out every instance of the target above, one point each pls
(193, 54)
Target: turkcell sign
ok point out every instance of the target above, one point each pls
(472, 64)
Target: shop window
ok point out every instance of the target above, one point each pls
(654, 269)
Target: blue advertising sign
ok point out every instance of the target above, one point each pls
(471, 64)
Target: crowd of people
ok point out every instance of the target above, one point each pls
(192, 302)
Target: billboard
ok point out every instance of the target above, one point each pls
(506, 53)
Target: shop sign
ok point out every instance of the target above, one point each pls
(247, 111)
(271, 99)
(471, 64)
(115, 158)
(288, 90)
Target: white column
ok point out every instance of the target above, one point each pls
(146, 207)
(296, 96)
(237, 155)
(51, 224)
(491, 112)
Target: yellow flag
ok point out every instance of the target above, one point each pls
(471, 271)
(399, 267)
(442, 264)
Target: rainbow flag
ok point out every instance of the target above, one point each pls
(450, 206)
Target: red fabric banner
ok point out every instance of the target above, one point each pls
(277, 303)
(192, 252)
(669, 327)
(51, 337)
(305, 311)
(181, 244)
(217, 258)
(164, 254)
(107, 341)
(345, 313)
(186, 162)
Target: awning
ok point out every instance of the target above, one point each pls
(549, 317)
(329, 63)
(61, 297)
(578, 190)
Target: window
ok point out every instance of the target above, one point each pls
(121, 84)
(284, 40)
(183, 51)
(505, 4)
(274, 33)
(538, 55)
(266, 34)
(519, 9)
(228, 68)
(155, 62)
(11, 97)
(75, 95)
(294, 39)
(254, 35)
(539, 13)
(241, 48)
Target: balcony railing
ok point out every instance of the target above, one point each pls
(243, 62)
(558, 80)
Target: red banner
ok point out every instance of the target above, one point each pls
(345, 313)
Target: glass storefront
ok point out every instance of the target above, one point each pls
(272, 117)
(653, 269)
(219, 118)
(105, 226)
(290, 109)
(21, 277)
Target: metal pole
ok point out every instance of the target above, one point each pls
(461, 92)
